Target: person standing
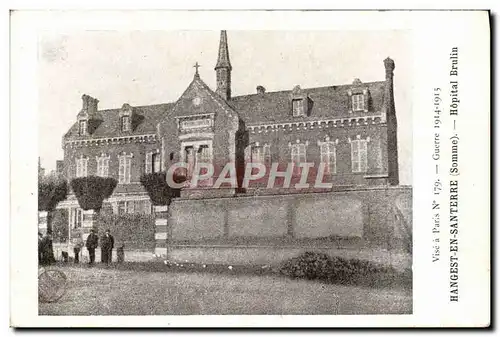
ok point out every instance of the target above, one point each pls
(91, 244)
(47, 250)
(107, 244)
(77, 246)
(40, 247)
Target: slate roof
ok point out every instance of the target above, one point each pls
(109, 126)
(327, 102)
(254, 109)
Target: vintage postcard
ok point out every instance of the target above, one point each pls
(319, 169)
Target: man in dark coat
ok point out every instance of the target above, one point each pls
(40, 247)
(47, 249)
(91, 244)
(107, 244)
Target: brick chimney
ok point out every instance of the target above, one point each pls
(89, 104)
(392, 124)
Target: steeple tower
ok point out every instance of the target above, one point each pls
(223, 69)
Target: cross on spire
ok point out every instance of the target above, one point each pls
(196, 65)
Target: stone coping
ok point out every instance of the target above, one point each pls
(279, 193)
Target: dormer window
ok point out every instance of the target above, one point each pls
(358, 102)
(298, 107)
(82, 128)
(126, 118)
(126, 123)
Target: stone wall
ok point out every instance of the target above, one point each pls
(205, 230)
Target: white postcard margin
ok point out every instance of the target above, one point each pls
(434, 36)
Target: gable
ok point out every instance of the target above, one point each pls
(199, 99)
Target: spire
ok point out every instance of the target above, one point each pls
(223, 69)
(223, 60)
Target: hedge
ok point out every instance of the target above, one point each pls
(91, 191)
(134, 231)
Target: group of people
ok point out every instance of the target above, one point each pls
(107, 245)
(46, 252)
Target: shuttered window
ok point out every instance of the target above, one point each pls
(359, 157)
(328, 156)
(102, 166)
(124, 168)
(358, 102)
(81, 167)
(298, 156)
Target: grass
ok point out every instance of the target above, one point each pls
(150, 289)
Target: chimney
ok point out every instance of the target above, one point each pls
(389, 85)
(89, 104)
(261, 89)
(392, 124)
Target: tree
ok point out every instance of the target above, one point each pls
(92, 191)
(51, 190)
(157, 188)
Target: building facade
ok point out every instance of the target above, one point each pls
(351, 129)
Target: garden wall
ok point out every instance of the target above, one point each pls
(273, 227)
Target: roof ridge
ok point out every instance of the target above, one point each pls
(137, 106)
(308, 89)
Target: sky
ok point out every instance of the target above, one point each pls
(152, 67)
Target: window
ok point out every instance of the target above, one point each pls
(328, 156)
(125, 162)
(257, 154)
(267, 155)
(82, 128)
(155, 158)
(358, 102)
(76, 217)
(298, 156)
(126, 123)
(81, 167)
(134, 207)
(153, 162)
(359, 155)
(204, 154)
(102, 166)
(122, 207)
(298, 107)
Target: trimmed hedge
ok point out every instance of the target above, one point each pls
(157, 188)
(50, 193)
(91, 191)
(320, 266)
(134, 231)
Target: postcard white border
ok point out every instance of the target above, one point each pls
(433, 33)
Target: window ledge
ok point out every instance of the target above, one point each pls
(376, 176)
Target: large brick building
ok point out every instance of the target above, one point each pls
(352, 128)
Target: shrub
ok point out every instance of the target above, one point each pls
(157, 188)
(50, 193)
(320, 266)
(91, 191)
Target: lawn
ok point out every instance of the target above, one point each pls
(111, 291)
